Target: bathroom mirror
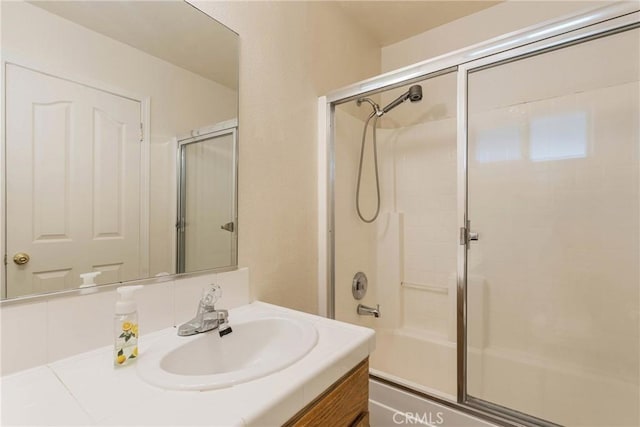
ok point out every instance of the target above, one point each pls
(119, 150)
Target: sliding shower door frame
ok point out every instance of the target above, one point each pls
(551, 35)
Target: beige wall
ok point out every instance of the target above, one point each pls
(290, 53)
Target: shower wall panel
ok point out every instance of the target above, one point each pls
(355, 241)
(419, 173)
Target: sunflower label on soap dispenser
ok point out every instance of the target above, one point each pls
(125, 350)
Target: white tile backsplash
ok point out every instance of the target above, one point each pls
(154, 302)
(78, 324)
(42, 332)
(24, 324)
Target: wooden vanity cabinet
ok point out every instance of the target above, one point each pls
(344, 404)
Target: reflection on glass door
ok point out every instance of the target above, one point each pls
(553, 191)
(207, 223)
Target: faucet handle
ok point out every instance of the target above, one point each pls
(211, 296)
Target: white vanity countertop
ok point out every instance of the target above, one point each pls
(87, 390)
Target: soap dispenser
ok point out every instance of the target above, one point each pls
(126, 335)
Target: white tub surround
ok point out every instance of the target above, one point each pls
(86, 390)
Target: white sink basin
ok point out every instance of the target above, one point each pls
(256, 348)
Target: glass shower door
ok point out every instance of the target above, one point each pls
(553, 192)
(407, 253)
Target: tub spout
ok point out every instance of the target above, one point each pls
(364, 310)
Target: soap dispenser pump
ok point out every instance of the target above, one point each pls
(88, 281)
(126, 334)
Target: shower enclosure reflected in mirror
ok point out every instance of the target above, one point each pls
(97, 96)
(207, 199)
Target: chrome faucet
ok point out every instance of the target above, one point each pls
(364, 310)
(207, 317)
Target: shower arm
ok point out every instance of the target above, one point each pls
(376, 108)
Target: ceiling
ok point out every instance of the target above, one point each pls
(389, 22)
(170, 30)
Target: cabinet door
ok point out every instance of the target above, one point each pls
(344, 404)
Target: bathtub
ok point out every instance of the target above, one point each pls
(391, 406)
(421, 362)
(427, 364)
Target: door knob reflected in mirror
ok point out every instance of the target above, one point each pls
(21, 258)
(228, 226)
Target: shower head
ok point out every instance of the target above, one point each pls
(414, 94)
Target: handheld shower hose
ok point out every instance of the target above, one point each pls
(373, 116)
(414, 94)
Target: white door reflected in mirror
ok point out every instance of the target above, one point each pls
(66, 207)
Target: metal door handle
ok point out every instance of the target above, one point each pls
(228, 226)
(21, 258)
(466, 235)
